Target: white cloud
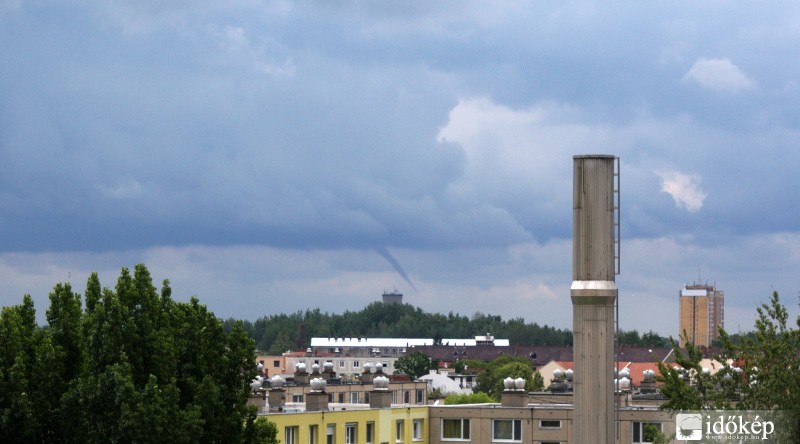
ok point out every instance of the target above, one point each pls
(268, 57)
(718, 75)
(524, 149)
(684, 189)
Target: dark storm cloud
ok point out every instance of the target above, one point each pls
(442, 132)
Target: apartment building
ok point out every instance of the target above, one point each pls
(702, 314)
(515, 420)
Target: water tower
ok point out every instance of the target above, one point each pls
(595, 261)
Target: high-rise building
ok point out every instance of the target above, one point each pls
(702, 314)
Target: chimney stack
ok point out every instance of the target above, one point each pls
(594, 295)
(380, 397)
(317, 398)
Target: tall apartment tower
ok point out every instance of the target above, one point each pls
(702, 314)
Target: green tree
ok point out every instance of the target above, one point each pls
(468, 398)
(490, 379)
(134, 366)
(762, 374)
(414, 364)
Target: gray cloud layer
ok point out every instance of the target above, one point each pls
(439, 134)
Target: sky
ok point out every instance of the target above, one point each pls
(276, 156)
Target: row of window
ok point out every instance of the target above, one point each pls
(502, 429)
(342, 364)
(351, 433)
(358, 397)
(510, 430)
(453, 429)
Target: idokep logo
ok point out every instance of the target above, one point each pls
(689, 426)
(721, 426)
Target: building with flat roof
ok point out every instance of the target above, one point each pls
(520, 417)
(349, 355)
(702, 314)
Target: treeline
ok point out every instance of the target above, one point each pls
(275, 334)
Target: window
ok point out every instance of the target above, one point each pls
(297, 398)
(313, 433)
(341, 398)
(549, 424)
(507, 430)
(369, 432)
(406, 397)
(276, 364)
(455, 429)
(356, 365)
(644, 434)
(341, 364)
(354, 397)
(350, 433)
(420, 396)
(330, 434)
(417, 435)
(399, 427)
(290, 435)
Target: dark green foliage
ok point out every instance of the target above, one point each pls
(490, 379)
(468, 398)
(414, 364)
(275, 334)
(769, 380)
(649, 339)
(134, 366)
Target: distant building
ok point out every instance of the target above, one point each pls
(392, 298)
(702, 314)
(349, 355)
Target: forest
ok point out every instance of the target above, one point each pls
(277, 333)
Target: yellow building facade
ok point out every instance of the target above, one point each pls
(353, 425)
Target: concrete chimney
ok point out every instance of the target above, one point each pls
(380, 397)
(317, 398)
(594, 294)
